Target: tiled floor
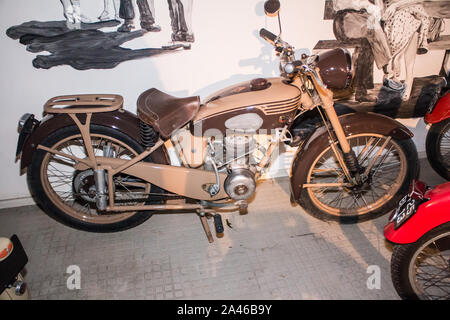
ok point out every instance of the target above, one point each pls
(277, 251)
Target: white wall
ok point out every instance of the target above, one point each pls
(227, 50)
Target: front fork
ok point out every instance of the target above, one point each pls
(347, 159)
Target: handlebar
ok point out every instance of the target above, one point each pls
(280, 45)
(293, 66)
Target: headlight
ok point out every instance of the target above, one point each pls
(336, 68)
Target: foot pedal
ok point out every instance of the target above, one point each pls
(218, 224)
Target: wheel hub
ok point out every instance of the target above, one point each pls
(362, 187)
(84, 185)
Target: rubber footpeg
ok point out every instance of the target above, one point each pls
(218, 224)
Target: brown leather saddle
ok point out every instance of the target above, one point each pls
(166, 113)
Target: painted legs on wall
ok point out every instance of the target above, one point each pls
(181, 20)
(180, 12)
(146, 11)
(111, 10)
(73, 15)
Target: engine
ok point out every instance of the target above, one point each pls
(236, 154)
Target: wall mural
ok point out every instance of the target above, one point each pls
(79, 42)
(390, 34)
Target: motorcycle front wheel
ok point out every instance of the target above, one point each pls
(392, 165)
(69, 195)
(438, 148)
(421, 270)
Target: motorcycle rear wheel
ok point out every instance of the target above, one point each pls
(68, 195)
(438, 148)
(420, 270)
(389, 180)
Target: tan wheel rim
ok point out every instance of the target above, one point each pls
(56, 172)
(341, 201)
(429, 271)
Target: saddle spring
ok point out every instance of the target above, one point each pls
(149, 136)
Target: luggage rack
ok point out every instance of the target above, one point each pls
(84, 103)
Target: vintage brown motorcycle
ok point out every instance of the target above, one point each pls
(94, 166)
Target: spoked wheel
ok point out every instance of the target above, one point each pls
(387, 168)
(69, 195)
(421, 270)
(438, 148)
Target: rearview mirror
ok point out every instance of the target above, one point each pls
(272, 7)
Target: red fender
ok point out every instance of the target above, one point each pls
(440, 112)
(429, 215)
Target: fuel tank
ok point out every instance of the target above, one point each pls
(249, 106)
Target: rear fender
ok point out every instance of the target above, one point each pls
(121, 120)
(440, 112)
(428, 216)
(353, 123)
(415, 227)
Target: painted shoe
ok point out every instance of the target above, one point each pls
(126, 27)
(183, 37)
(394, 85)
(104, 16)
(150, 26)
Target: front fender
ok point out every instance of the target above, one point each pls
(428, 216)
(353, 123)
(121, 120)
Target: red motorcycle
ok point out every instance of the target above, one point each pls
(438, 138)
(420, 230)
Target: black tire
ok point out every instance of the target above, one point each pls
(433, 147)
(320, 212)
(401, 261)
(53, 207)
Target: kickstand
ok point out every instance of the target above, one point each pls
(206, 228)
(218, 224)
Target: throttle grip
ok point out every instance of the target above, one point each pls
(267, 35)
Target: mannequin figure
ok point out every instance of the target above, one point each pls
(406, 25)
(361, 20)
(374, 32)
(397, 31)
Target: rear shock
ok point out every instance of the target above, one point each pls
(149, 136)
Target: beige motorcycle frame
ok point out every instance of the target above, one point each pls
(187, 182)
